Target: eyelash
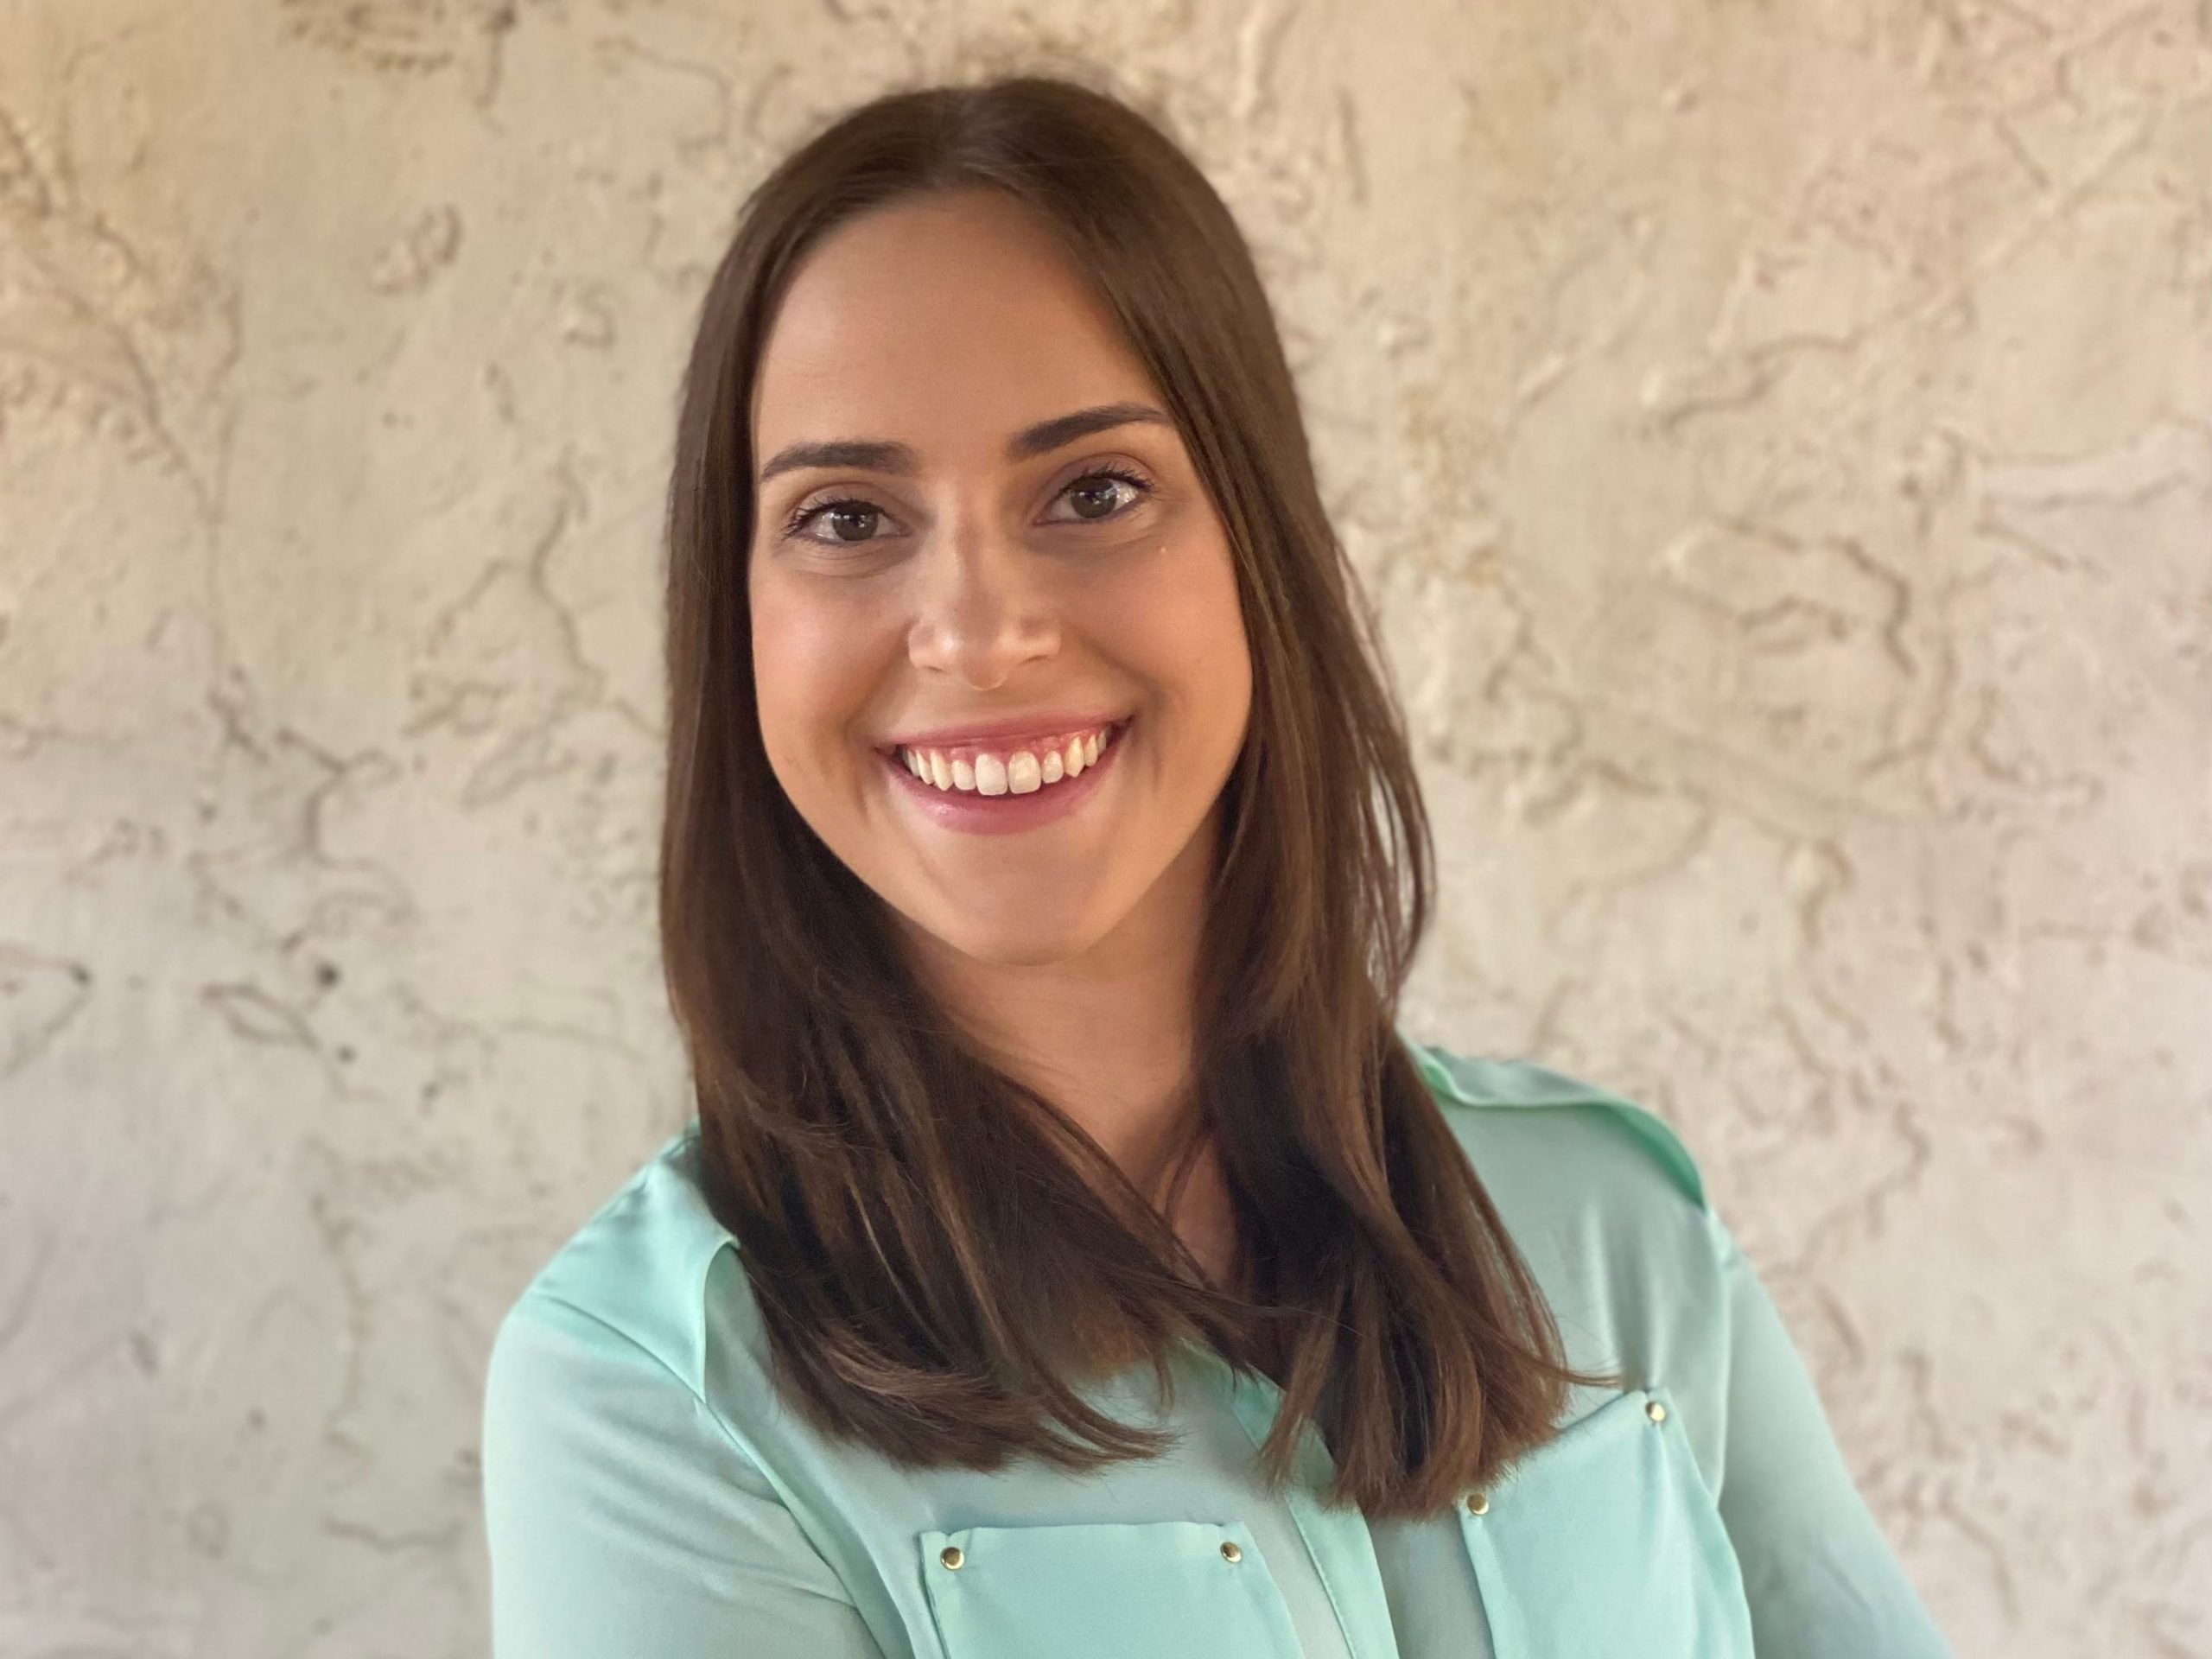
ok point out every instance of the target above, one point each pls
(803, 516)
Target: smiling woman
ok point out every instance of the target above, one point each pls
(1071, 1256)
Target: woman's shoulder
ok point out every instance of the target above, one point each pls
(1589, 1142)
(1603, 1200)
(635, 1274)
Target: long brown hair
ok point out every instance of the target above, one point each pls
(941, 1256)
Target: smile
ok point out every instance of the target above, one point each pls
(1007, 788)
(1024, 769)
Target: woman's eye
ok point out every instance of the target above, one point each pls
(1099, 495)
(850, 522)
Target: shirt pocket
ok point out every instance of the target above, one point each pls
(1105, 1590)
(1606, 1540)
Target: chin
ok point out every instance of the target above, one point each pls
(1022, 939)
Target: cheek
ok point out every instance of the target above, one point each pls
(1187, 616)
(810, 674)
(1225, 662)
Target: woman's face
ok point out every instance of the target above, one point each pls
(979, 550)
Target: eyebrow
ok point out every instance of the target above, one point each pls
(876, 456)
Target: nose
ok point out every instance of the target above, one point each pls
(982, 607)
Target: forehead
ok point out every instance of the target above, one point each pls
(945, 322)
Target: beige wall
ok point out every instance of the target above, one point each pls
(1777, 438)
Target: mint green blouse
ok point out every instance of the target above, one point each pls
(647, 1492)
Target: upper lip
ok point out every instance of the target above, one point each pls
(1012, 730)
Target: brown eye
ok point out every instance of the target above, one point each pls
(1106, 493)
(1095, 498)
(852, 522)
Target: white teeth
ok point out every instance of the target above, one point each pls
(1020, 773)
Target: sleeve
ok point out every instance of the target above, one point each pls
(1822, 1580)
(622, 1519)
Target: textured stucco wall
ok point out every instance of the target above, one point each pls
(1779, 439)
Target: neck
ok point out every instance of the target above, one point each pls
(1106, 1034)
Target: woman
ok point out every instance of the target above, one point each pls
(1071, 1257)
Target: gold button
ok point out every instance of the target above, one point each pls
(1655, 1411)
(952, 1556)
(1229, 1552)
(1477, 1503)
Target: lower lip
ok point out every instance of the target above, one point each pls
(1008, 814)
